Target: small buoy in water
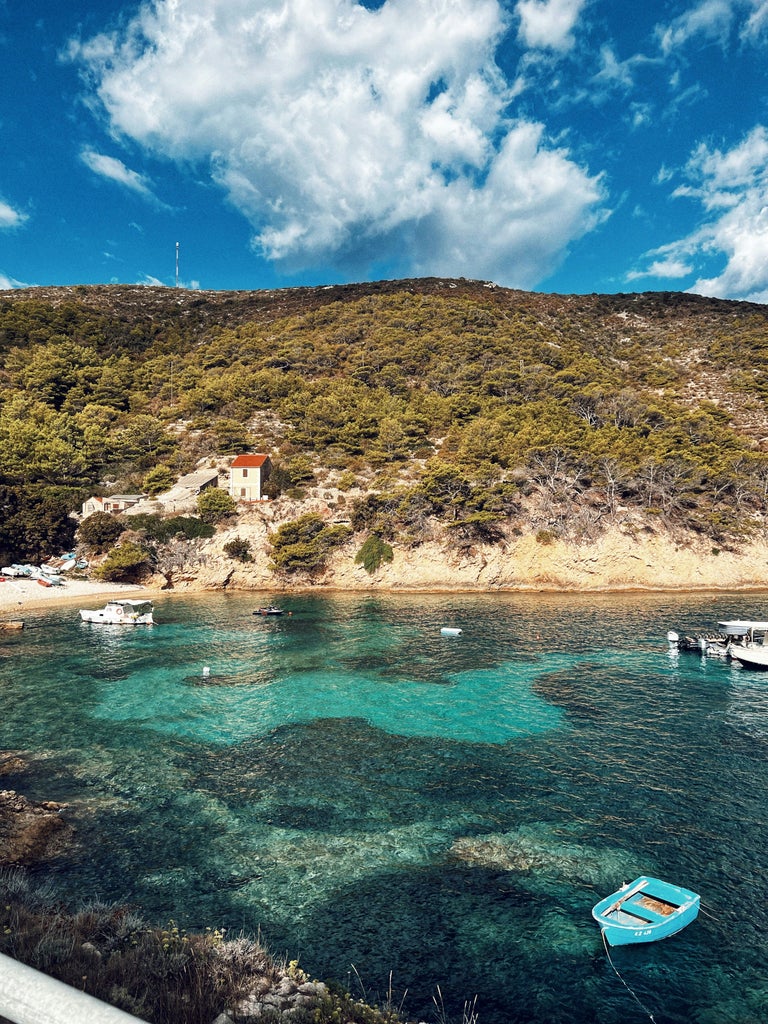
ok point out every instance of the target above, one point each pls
(450, 631)
(206, 672)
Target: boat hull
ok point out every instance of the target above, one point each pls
(751, 657)
(645, 910)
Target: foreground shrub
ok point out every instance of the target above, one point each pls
(163, 975)
(160, 975)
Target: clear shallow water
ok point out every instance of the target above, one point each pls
(367, 792)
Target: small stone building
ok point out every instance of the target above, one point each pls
(114, 503)
(247, 476)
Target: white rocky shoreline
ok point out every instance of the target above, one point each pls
(614, 562)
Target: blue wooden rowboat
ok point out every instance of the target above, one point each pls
(645, 910)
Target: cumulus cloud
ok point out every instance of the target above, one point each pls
(548, 24)
(342, 132)
(10, 217)
(732, 188)
(115, 170)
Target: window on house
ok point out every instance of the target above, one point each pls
(243, 492)
(245, 473)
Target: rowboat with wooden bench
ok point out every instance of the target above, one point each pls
(645, 910)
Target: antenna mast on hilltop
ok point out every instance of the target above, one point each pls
(177, 264)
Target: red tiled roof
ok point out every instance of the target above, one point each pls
(249, 461)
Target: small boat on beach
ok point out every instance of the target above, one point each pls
(121, 613)
(645, 910)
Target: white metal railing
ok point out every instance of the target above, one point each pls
(29, 997)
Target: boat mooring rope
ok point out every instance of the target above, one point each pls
(639, 1002)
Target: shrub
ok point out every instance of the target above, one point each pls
(304, 544)
(99, 531)
(160, 974)
(213, 505)
(546, 537)
(125, 563)
(373, 552)
(239, 549)
(163, 530)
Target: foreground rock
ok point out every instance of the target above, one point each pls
(30, 832)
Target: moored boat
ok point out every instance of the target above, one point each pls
(733, 635)
(751, 657)
(121, 613)
(645, 910)
(269, 610)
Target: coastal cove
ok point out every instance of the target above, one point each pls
(374, 797)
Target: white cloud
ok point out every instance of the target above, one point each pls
(613, 70)
(665, 269)
(756, 25)
(732, 189)
(9, 283)
(533, 204)
(709, 18)
(345, 133)
(115, 170)
(9, 217)
(548, 24)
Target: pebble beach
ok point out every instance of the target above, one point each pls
(20, 594)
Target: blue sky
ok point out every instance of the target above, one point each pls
(555, 145)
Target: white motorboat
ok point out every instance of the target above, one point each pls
(733, 635)
(121, 613)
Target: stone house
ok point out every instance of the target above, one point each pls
(247, 476)
(114, 503)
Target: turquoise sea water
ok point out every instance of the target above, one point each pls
(374, 797)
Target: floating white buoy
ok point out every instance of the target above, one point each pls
(450, 631)
(206, 672)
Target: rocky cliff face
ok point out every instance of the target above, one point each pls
(620, 558)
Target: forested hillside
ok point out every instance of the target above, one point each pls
(484, 410)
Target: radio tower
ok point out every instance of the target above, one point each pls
(177, 264)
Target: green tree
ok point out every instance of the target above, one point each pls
(35, 521)
(99, 531)
(157, 480)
